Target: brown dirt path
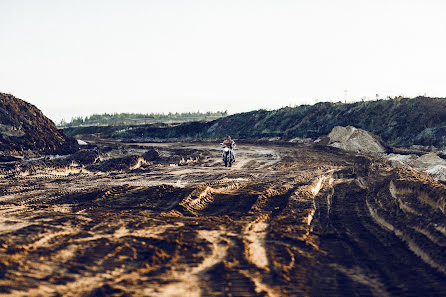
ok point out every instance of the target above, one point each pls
(284, 221)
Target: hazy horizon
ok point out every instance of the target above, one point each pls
(77, 58)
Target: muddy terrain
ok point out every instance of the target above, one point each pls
(166, 219)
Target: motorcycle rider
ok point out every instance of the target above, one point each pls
(228, 142)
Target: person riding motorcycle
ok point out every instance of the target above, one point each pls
(228, 142)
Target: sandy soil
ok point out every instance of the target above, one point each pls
(295, 220)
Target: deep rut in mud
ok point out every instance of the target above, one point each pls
(285, 221)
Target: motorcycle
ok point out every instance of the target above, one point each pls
(228, 155)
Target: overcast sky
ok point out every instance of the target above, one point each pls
(77, 57)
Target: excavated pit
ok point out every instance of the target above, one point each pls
(299, 220)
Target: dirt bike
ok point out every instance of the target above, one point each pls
(228, 156)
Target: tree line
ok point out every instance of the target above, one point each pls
(140, 118)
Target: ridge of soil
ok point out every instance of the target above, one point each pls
(400, 122)
(24, 129)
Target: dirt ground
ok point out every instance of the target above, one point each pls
(295, 220)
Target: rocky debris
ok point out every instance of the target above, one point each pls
(301, 140)
(273, 139)
(430, 163)
(438, 172)
(24, 129)
(398, 160)
(427, 161)
(423, 148)
(353, 139)
(81, 142)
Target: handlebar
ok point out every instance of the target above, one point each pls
(223, 145)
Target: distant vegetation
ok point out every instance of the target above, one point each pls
(139, 118)
(398, 121)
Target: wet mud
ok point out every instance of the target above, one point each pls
(167, 219)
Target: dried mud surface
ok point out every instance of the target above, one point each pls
(284, 221)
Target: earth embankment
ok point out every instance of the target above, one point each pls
(399, 122)
(25, 130)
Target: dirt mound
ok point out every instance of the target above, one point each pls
(179, 156)
(185, 156)
(24, 128)
(356, 140)
(430, 163)
(427, 161)
(118, 164)
(398, 160)
(86, 157)
(151, 155)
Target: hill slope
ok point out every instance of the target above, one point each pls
(399, 122)
(23, 127)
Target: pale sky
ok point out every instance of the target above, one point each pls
(79, 57)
